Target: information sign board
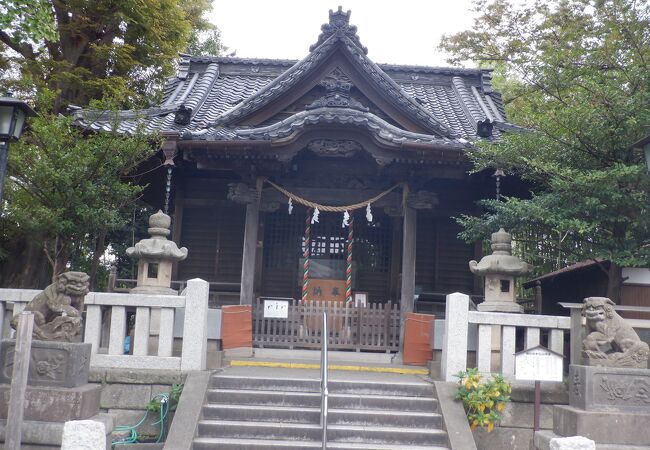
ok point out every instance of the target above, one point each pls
(276, 309)
(538, 364)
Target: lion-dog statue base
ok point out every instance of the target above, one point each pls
(610, 341)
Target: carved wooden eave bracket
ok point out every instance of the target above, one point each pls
(170, 147)
(312, 129)
(241, 193)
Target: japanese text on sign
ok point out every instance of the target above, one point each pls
(538, 364)
(277, 309)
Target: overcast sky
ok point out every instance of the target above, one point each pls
(398, 32)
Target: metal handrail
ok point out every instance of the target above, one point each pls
(323, 379)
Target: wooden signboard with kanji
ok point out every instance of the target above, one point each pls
(323, 290)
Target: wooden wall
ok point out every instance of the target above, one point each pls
(635, 295)
(442, 260)
(212, 229)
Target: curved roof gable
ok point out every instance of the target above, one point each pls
(336, 36)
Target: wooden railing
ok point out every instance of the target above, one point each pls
(373, 327)
(455, 341)
(194, 345)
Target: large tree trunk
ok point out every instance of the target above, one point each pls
(614, 282)
(100, 247)
(62, 251)
(27, 267)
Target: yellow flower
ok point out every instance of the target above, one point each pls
(490, 427)
(501, 406)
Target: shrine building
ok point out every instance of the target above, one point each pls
(322, 178)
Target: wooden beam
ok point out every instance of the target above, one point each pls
(19, 381)
(250, 249)
(408, 267)
(177, 222)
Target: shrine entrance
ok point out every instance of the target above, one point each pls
(284, 251)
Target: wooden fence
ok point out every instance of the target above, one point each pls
(371, 327)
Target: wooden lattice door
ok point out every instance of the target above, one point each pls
(283, 249)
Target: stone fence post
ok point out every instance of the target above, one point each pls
(195, 326)
(454, 344)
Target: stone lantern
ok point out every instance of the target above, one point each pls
(155, 257)
(500, 270)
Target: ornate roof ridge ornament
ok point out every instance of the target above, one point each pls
(339, 26)
(337, 93)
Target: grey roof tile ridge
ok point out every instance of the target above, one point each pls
(276, 87)
(397, 94)
(207, 59)
(285, 127)
(196, 99)
(474, 114)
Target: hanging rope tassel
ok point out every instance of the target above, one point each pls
(348, 268)
(306, 254)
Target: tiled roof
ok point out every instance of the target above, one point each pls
(219, 91)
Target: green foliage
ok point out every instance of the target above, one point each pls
(28, 20)
(483, 400)
(67, 183)
(68, 186)
(174, 395)
(87, 49)
(576, 73)
(205, 43)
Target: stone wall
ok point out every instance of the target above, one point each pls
(515, 431)
(126, 392)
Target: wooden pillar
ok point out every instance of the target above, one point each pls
(177, 221)
(408, 266)
(250, 249)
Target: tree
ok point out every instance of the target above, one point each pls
(88, 49)
(577, 75)
(69, 186)
(62, 52)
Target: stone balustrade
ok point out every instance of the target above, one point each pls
(501, 325)
(194, 301)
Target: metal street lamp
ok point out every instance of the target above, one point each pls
(12, 121)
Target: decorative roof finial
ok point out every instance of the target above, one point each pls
(339, 26)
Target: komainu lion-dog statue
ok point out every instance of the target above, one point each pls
(610, 340)
(57, 310)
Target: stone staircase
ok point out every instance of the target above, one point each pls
(261, 408)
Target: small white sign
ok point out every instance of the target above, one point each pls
(276, 309)
(538, 364)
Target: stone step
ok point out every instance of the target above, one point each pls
(261, 444)
(313, 400)
(411, 389)
(312, 432)
(312, 415)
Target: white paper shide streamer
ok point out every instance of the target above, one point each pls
(346, 220)
(368, 213)
(314, 218)
(290, 206)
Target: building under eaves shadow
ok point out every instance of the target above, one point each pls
(337, 130)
